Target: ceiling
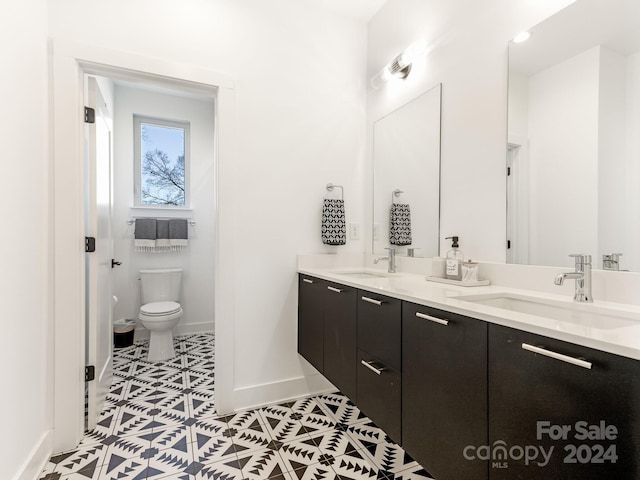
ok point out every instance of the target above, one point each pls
(361, 10)
(614, 24)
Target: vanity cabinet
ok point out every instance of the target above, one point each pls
(471, 399)
(380, 361)
(546, 393)
(327, 330)
(444, 390)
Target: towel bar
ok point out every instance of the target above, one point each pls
(132, 220)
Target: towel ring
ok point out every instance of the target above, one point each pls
(331, 186)
(395, 194)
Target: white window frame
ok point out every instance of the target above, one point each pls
(138, 120)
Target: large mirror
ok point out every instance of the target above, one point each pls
(406, 177)
(573, 183)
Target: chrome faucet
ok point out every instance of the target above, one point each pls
(391, 258)
(582, 276)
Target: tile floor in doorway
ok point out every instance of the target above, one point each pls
(160, 422)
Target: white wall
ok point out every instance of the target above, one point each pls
(468, 54)
(299, 115)
(26, 354)
(632, 261)
(613, 206)
(196, 260)
(518, 104)
(563, 160)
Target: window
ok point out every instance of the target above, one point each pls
(161, 163)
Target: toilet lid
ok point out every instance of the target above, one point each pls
(160, 308)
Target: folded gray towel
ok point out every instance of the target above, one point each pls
(334, 226)
(162, 235)
(145, 234)
(400, 224)
(178, 234)
(145, 229)
(178, 229)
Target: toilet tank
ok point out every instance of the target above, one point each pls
(160, 285)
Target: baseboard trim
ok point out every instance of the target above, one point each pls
(256, 396)
(193, 328)
(188, 329)
(37, 458)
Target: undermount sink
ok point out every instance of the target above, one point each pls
(362, 275)
(587, 315)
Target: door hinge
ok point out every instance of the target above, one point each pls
(508, 171)
(89, 244)
(508, 244)
(89, 115)
(89, 373)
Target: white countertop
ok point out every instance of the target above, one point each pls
(621, 338)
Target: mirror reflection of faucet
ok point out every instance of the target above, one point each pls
(391, 259)
(611, 261)
(582, 276)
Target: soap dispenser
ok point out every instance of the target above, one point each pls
(454, 260)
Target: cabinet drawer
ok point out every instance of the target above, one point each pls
(380, 394)
(380, 327)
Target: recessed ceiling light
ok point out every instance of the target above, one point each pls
(521, 37)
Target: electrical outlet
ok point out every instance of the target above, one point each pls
(354, 231)
(376, 227)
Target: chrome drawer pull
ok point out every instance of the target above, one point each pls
(333, 289)
(306, 280)
(433, 319)
(377, 371)
(557, 356)
(371, 300)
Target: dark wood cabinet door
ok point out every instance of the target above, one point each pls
(311, 292)
(340, 338)
(380, 394)
(545, 402)
(380, 327)
(444, 391)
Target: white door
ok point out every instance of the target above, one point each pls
(99, 301)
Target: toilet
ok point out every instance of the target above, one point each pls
(160, 310)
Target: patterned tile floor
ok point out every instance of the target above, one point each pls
(159, 422)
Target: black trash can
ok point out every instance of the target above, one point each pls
(123, 330)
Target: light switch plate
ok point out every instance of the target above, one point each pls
(354, 231)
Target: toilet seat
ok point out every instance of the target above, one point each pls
(159, 309)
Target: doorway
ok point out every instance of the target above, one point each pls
(71, 63)
(517, 201)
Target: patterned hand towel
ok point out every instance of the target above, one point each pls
(145, 234)
(334, 226)
(400, 224)
(178, 234)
